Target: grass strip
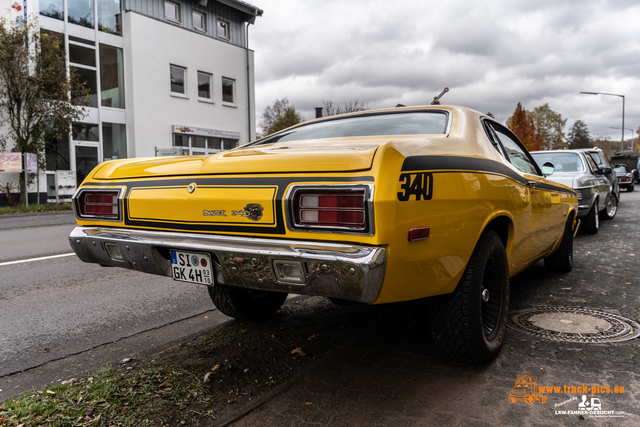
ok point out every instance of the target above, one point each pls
(6, 210)
(127, 396)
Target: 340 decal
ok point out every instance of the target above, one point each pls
(418, 184)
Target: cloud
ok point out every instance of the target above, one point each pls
(491, 54)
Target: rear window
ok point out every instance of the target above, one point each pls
(621, 169)
(564, 162)
(409, 123)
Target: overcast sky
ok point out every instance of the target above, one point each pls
(491, 54)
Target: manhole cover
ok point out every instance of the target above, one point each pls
(573, 324)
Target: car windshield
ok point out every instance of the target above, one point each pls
(564, 162)
(371, 124)
(621, 169)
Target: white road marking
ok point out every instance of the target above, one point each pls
(35, 259)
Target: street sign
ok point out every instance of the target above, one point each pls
(32, 163)
(10, 162)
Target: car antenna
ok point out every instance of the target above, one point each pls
(436, 100)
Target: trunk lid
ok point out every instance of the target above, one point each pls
(302, 157)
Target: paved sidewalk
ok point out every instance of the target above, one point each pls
(36, 219)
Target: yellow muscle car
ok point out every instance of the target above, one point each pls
(373, 207)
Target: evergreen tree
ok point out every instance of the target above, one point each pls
(579, 136)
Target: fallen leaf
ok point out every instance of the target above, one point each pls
(246, 370)
(299, 352)
(51, 392)
(215, 368)
(626, 283)
(206, 377)
(565, 289)
(309, 403)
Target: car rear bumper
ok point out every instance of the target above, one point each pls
(347, 272)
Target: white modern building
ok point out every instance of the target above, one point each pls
(166, 77)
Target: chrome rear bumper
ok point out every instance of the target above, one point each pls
(347, 272)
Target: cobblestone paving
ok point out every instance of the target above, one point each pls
(392, 377)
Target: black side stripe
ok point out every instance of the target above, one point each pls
(451, 164)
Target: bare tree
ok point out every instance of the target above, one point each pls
(329, 109)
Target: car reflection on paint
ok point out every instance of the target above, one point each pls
(577, 169)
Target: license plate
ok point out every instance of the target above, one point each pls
(191, 267)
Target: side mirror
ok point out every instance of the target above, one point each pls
(604, 171)
(548, 169)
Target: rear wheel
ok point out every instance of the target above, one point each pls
(469, 324)
(562, 259)
(612, 208)
(592, 220)
(246, 304)
(630, 188)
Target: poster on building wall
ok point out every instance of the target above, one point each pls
(32, 163)
(10, 162)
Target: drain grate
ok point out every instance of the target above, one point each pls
(573, 325)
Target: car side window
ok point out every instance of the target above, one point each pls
(592, 164)
(492, 138)
(515, 153)
(596, 158)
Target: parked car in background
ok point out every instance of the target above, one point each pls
(578, 170)
(630, 160)
(625, 177)
(372, 207)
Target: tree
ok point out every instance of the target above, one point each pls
(34, 90)
(329, 109)
(579, 136)
(273, 117)
(490, 114)
(607, 146)
(289, 118)
(551, 124)
(523, 126)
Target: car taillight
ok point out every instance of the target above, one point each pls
(98, 204)
(330, 208)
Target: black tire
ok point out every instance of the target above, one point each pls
(611, 209)
(465, 326)
(592, 221)
(561, 260)
(246, 304)
(630, 188)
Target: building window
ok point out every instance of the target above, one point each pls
(204, 86)
(82, 55)
(172, 11)
(228, 91)
(199, 21)
(198, 145)
(178, 80)
(80, 12)
(88, 77)
(57, 150)
(85, 132)
(223, 29)
(111, 77)
(109, 17)
(52, 8)
(114, 141)
(80, 40)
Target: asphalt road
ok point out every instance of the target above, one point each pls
(388, 375)
(54, 307)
